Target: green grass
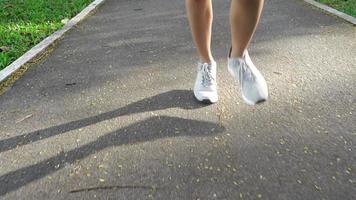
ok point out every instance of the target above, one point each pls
(24, 23)
(345, 6)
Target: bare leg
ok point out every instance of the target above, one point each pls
(200, 15)
(244, 17)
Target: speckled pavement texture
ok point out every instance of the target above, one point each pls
(110, 114)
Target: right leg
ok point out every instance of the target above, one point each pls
(200, 16)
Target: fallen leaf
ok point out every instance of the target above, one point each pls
(65, 20)
(4, 48)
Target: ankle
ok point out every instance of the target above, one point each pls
(211, 63)
(208, 60)
(237, 53)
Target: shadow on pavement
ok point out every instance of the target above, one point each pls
(147, 130)
(174, 98)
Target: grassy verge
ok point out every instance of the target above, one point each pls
(345, 6)
(24, 23)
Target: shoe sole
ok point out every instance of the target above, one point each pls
(261, 101)
(205, 101)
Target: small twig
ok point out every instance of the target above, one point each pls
(114, 187)
(22, 119)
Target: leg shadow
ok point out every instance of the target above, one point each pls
(147, 130)
(175, 98)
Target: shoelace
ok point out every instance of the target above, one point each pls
(207, 77)
(245, 72)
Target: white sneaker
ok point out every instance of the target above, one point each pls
(205, 88)
(253, 85)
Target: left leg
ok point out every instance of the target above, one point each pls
(244, 17)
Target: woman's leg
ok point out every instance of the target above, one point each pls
(200, 16)
(244, 17)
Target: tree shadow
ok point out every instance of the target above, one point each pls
(174, 98)
(150, 129)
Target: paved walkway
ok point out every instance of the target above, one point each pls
(112, 110)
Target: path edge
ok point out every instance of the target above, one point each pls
(48, 41)
(332, 11)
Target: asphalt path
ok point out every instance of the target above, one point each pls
(110, 114)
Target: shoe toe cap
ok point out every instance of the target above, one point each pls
(255, 93)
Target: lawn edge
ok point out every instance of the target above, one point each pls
(48, 41)
(333, 11)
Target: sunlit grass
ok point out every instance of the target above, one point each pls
(24, 23)
(346, 6)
